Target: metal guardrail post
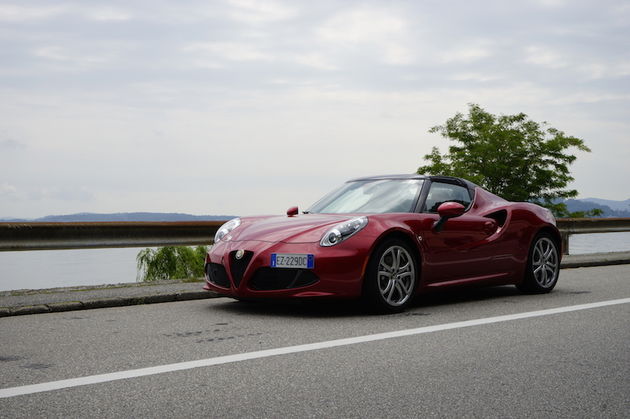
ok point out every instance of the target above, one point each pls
(565, 242)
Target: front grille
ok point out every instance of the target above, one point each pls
(238, 266)
(217, 275)
(267, 279)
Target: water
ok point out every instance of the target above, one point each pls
(65, 268)
(580, 244)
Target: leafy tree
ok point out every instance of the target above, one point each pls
(509, 155)
(171, 262)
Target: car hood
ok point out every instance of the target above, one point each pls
(305, 228)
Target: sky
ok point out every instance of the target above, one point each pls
(246, 107)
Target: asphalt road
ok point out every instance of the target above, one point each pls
(566, 364)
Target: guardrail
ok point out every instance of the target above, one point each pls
(49, 236)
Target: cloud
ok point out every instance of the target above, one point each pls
(475, 77)
(467, 54)
(80, 56)
(552, 3)
(233, 51)
(315, 60)
(572, 62)
(358, 26)
(364, 28)
(62, 193)
(16, 14)
(13, 13)
(601, 70)
(589, 98)
(544, 57)
(107, 14)
(260, 11)
(7, 189)
(140, 102)
(11, 145)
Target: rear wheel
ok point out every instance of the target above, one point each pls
(543, 266)
(391, 277)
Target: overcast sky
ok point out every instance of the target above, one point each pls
(244, 107)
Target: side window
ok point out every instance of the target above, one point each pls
(446, 192)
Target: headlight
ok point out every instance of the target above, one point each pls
(342, 231)
(226, 228)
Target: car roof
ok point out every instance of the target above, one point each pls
(404, 176)
(413, 176)
(447, 179)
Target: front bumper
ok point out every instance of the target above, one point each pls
(338, 270)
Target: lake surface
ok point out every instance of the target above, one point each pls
(65, 268)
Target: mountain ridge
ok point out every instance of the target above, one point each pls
(615, 205)
(610, 208)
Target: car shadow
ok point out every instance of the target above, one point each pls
(292, 308)
(464, 295)
(355, 308)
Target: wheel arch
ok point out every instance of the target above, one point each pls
(405, 236)
(525, 285)
(555, 235)
(370, 293)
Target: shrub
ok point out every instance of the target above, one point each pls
(171, 262)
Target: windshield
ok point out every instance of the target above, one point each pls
(371, 196)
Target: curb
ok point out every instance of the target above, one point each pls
(578, 261)
(592, 263)
(105, 303)
(621, 258)
(595, 259)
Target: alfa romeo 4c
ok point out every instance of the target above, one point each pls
(385, 239)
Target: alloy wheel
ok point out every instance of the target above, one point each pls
(545, 262)
(396, 276)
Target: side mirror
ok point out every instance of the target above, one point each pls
(451, 210)
(448, 210)
(292, 211)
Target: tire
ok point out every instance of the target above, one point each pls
(543, 266)
(391, 277)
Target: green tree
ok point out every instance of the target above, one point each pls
(509, 155)
(171, 262)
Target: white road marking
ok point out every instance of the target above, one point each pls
(180, 366)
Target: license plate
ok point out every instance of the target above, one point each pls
(292, 260)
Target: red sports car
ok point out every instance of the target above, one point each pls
(385, 239)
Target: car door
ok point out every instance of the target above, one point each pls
(457, 252)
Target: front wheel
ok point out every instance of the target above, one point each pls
(543, 266)
(391, 277)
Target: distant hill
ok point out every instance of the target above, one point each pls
(122, 216)
(614, 205)
(609, 207)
